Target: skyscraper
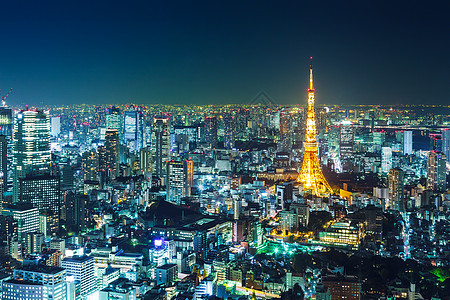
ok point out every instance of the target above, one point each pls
(396, 186)
(211, 132)
(446, 143)
(386, 159)
(109, 154)
(407, 142)
(346, 139)
(179, 179)
(436, 171)
(114, 120)
(229, 128)
(31, 150)
(133, 129)
(161, 146)
(311, 176)
(6, 130)
(286, 130)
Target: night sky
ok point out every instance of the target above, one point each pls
(214, 52)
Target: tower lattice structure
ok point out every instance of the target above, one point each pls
(311, 176)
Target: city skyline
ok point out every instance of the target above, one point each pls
(207, 53)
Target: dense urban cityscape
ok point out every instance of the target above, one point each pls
(224, 150)
(255, 201)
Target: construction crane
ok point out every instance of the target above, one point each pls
(6, 96)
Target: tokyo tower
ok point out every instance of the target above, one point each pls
(311, 176)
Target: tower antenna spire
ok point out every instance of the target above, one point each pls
(311, 86)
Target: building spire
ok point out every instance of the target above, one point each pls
(311, 86)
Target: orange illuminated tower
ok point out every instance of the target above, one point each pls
(311, 176)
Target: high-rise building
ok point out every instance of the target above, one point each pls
(27, 217)
(346, 139)
(211, 128)
(43, 191)
(311, 176)
(396, 187)
(32, 155)
(109, 154)
(55, 126)
(229, 131)
(145, 160)
(133, 129)
(89, 164)
(80, 269)
(161, 147)
(407, 142)
(6, 130)
(446, 143)
(436, 142)
(386, 159)
(286, 131)
(37, 283)
(114, 120)
(34, 242)
(436, 171)
(179, 179)
(75, 211)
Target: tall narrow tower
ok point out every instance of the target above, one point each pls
(311, 176)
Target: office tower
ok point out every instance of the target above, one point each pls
(108, 155)
(32, 156)
(75, 205)
(34, 242)
(81, 271)
(90, 166)
(114, 120)
(36, 282)
(179, 179)
(6, 130)
(99, 117)
(436, 142)
(49, 222)
(211, 127)
(55, 126)
(3, 166)
(43, 191)
(145, 160)
(311, 176)
(386, 159)
(133, 129)
(446, 143)
(286, 130)
(27, 217)
(229, 131)
(396, 187)
(378, 138)
(161, 140)
(346, 137)
(407, 142)
(436, 171)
